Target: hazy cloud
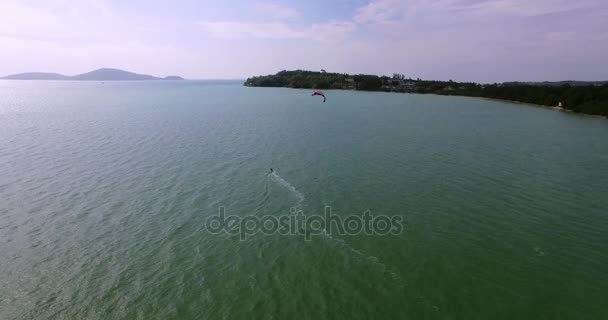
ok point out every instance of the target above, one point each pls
(277, 30)
(387, 11)
(482, 40)
(276, 11)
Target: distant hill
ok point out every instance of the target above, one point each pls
(103, 74)
(109, 74)
(36, 76)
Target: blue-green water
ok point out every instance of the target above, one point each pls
(105, 190)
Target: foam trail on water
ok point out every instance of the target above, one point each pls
(284, 183)
(289, 187)
(368, 257)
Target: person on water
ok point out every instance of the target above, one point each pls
(271, 171)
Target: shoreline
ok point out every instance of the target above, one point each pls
(555, 108)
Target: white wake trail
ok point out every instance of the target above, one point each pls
(372, 259)
(284, 183)
(289, 187)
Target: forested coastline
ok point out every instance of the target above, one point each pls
(588, 98)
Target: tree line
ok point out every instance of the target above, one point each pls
(589, 99)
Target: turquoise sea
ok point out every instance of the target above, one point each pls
(106, 188)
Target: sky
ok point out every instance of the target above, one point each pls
(463, 40)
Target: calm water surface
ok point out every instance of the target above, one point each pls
(105, 190)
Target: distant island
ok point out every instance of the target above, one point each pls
(103, 74)
(575, 96)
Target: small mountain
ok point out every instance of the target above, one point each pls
(36, 76)
(104, 74)
(109, 74)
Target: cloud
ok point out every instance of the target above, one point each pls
(275, 21)
(391, 11)
(524, 7)
(236, 29)
(492, 39)
(460, 39)
(277, 30)
(380, 11)
(337, 30)
(276, 11)
(63, 20)
(70, 36)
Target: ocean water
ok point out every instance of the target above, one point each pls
(106, 188)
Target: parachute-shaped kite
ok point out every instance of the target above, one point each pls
(319, 93)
